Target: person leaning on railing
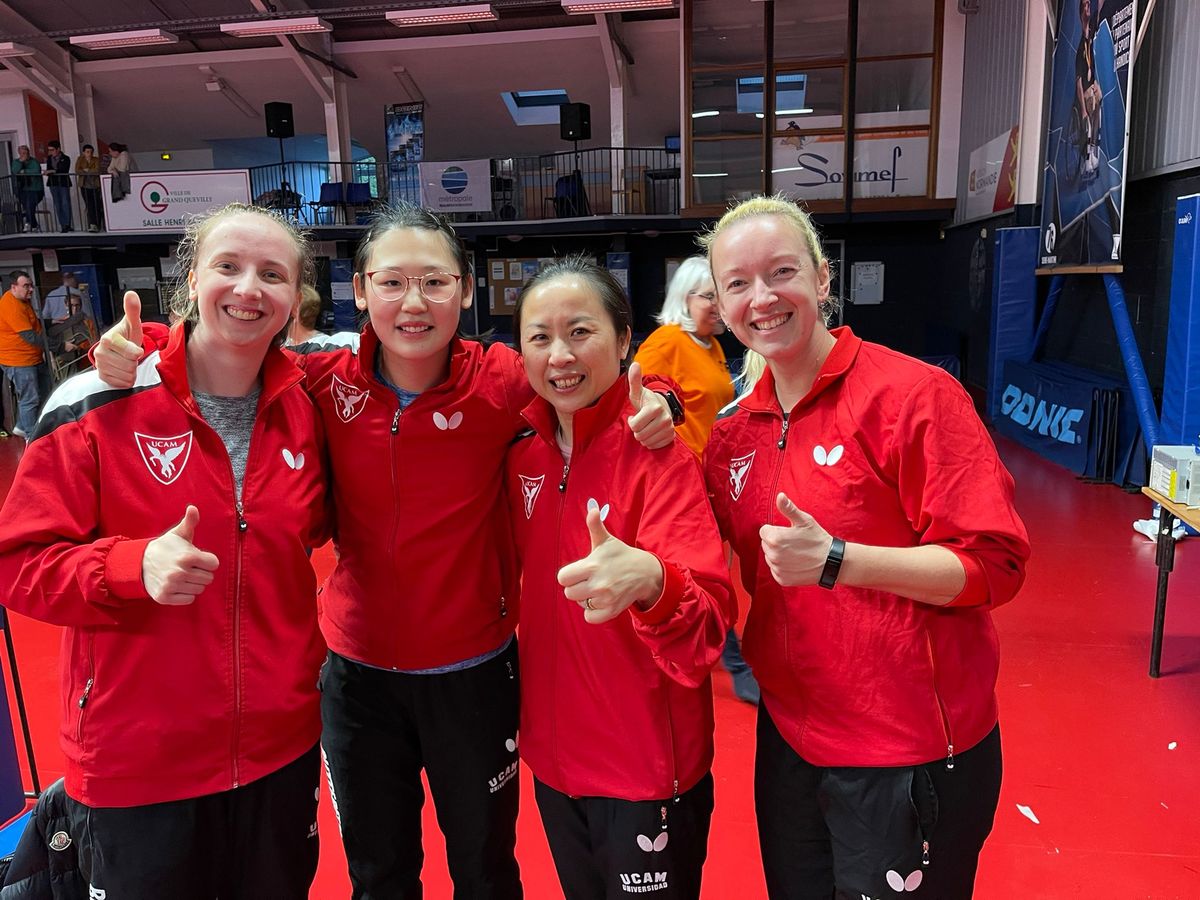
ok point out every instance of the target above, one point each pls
(87, 173)
(27, 178)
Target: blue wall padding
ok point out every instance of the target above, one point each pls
(1181, 377)
(12, 789)
(1043, 328)
(1130, 355)
(1014, 297)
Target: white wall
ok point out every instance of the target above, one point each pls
(181, 160)
(14, 115)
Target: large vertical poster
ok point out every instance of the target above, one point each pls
(1086, 153)
(405, 123)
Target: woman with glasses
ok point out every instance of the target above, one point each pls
(420, 611)
(685, 349)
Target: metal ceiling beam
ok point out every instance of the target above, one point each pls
(43, 91)
(320, 81)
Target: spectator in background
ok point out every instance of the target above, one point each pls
(58, 167)
(21, 351)
(685, 348)
(54, 307)
(87, 171)
(28, 184)
(119, 168)
(305, 315)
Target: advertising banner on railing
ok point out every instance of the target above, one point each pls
(463, 185)
(164, 201)
(886, 164)
(992, 176)
(1084, 178)
(405, 124)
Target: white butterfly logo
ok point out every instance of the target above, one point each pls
(445, 424)
(829, 458)
(593, 503)
(898, 882)
(294, 462)
(652, 846)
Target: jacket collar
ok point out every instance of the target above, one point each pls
(460, 358)
(763, 399)
(278, 372)
(589, 422)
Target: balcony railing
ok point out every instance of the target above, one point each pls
(603, 181)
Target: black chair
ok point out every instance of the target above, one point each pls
(570, 197)
(329, 200)
(358, 202)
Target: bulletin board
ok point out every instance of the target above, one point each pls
(506, 277)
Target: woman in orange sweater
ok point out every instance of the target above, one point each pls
(685, 348)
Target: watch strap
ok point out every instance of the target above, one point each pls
(833, 563)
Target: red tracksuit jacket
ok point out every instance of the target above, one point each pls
(163, 703)
(622, 709)
(889, 451)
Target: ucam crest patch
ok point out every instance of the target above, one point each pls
(165, 457)
(530, 488)
(348, 400)
(739, 468)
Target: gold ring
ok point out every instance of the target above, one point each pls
(587, 604)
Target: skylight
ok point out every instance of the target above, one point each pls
(534, 107)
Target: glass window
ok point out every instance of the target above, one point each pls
(892, 27)
(727, 103)
(810, 29)
(808, 100)
(725, 170)
(726, 32)
(893, 92)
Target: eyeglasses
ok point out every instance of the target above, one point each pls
(436, 287)
(708, 296)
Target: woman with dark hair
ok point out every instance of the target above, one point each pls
(119, 167)
(87, 172)
(625, 605)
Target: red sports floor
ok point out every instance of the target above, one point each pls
(1106, 759)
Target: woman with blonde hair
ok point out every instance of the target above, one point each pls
(166, 527)
(876, 530)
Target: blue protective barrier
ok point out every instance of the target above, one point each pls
(1043, 328)
(1014, 298)
(1181, 377)
(1132, 358)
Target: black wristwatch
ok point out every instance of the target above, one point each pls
(675, 406)
(833, 563)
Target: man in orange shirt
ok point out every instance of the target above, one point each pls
(21, 351)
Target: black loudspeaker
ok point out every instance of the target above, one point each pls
(575, 122)
(279, 120)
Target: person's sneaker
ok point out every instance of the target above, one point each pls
(93, 229)
(25, 227)
(745, 687)
(18, 431)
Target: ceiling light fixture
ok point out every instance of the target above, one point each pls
(9, 49)
(142, 38)
(581, 7)
(267, 27)
(442, 15)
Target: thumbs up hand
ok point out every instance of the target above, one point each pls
(651, 421)
(795, 553)
(174, 571)
(118, 351)
(612, 576)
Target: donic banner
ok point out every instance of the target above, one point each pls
(1086, 151)
(1047, 414)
